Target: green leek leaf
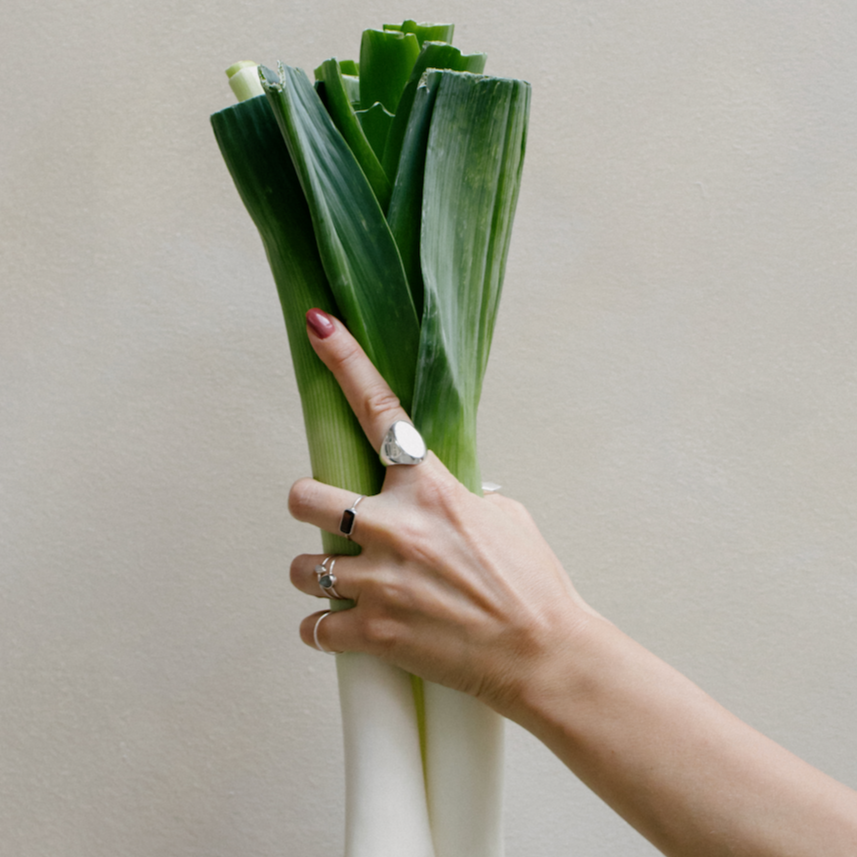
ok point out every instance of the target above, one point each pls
(425, 32)
(386, 60)
(456, 147)
(352, 88)
(405, 212)
(432, 55)
(260, 166)
(376, 122)
(339, 107)
(473, 167)
(357, 250)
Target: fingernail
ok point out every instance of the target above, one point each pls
(320, 323)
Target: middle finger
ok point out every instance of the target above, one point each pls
(330, 508)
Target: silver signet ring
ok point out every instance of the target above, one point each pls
(402, 444)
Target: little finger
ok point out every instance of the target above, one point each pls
(329, 631)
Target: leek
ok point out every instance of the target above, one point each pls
(381, 735)
(473, 163)
(385, 195)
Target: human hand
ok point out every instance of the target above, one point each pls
(458, 589)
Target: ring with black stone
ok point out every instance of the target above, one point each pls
(349, 516)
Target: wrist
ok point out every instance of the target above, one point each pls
(557, 671)
(577, 697)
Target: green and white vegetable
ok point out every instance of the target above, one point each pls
(385, 194)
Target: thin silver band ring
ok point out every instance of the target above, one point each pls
(315, 639)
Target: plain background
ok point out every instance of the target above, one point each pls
(673, 393)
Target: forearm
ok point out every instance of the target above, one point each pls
(681, 769)
(464, 591)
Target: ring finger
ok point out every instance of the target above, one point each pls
(311, 573)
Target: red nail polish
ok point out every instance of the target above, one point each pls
(320, 323)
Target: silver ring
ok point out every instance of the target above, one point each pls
(318, 645)
(327, 579)
(349, 516)
(402, 444)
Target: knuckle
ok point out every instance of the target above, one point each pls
(438, 504)
(444, 496)
(379, 632)
(345, 355)
(384, 590)
(380, 400)
(375, 594)
(411, 537)
(417, 546)
(379, 627)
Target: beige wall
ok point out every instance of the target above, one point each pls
(673, 393)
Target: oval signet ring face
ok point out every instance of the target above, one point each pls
(402, 444)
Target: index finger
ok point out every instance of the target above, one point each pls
(375, 405)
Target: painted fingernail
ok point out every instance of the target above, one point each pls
(320, 323)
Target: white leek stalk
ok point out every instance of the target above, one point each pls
(385, 799)
(473, 159)
(464, 763)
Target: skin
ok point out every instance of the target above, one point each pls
(464, 591)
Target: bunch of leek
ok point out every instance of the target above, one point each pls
(384, 194)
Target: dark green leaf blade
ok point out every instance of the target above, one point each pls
(341, 111)
(386, 60)
(406, 204)
(260, 166)
(357, 250)
(432, 55)
(376, 123)
(472, 177)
